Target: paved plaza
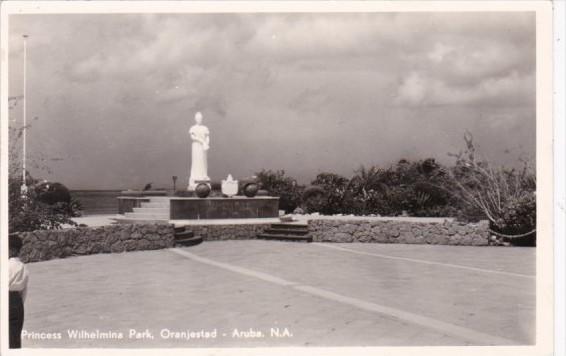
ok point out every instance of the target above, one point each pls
(268, 293)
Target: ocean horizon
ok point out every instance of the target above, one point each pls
(96, 202)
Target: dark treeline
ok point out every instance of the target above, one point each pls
(470, 190)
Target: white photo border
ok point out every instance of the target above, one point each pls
(544, 153)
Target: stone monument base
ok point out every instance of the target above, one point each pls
(237, 207)
(143, 193)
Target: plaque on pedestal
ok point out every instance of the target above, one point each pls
(229, 186)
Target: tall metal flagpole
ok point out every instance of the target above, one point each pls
(24, 187)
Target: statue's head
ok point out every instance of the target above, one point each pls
(198, 118)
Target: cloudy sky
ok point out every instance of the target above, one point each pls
(114, 95)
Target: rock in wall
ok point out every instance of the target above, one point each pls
(44, 245)
(446, 233)
(228, 232)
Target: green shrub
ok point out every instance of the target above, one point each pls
(414, 188)
(282, 186)
(506, 197)
(314, 199)
(335, 197)
(28, 213)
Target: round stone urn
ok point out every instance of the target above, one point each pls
(202, 190)
(251, 189)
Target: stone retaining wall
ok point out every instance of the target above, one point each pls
(445, 233)
(44, 245)
(49, 244)
(228, 232)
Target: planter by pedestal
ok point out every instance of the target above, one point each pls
(202, 190)
(250, 190)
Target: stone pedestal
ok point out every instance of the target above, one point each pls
(237, 207)
(143, 193)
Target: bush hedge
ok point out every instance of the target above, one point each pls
(470, 190)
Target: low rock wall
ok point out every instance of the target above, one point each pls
(434, 233)
(228, 232)
(49, 244)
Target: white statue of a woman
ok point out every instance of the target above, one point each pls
(201, 143)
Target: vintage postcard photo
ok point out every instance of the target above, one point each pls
(249, 177)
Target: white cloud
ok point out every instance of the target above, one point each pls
(313, 79)
(439, 52)
(422, 89)
(412, 90)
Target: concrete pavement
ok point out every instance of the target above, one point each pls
(268, 293)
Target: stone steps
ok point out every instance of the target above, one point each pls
(289, 226)
(286, 232)
(157, 209)
(185, 234)
(125, 220)
(189, 241)
(147, 215)
(155, 205)
(185, 238)
(151, 210)
(279, 231)
(180, 228)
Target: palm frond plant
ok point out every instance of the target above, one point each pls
(505, 196)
